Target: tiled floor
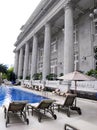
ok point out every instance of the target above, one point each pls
(86, 121)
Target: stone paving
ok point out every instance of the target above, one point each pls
(86, 121)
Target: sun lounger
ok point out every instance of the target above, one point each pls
(56, 91)
(43, 107)
(17, 108)
(69, 127)
(6, 82)
(68, 104)
(60, 92)
(17, 83)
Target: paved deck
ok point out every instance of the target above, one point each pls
(86, 121)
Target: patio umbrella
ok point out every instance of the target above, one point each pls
(76, 76)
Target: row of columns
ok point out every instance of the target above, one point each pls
(68, 49)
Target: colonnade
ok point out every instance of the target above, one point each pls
(21, 66)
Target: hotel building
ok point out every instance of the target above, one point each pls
(59, 37)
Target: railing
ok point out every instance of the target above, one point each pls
(88, 86)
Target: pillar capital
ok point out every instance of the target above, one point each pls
(70, 4)
(35, 35)
(47, 24)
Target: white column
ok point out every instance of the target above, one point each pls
(46, 56)
(26, 61)
(20, 69)
(16, 63)
(34, 55)
(68, 40)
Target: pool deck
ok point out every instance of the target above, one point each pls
(86, 121)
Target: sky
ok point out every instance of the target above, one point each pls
(13, 14)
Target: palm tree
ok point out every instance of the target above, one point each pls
(3, 68)
(11, 75)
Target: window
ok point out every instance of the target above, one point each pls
(76, 57)
(54, 69)
(40, 67)
(54, 66)
(75, 37)
(95, 56)
(53, 48)
(40, 54)
(95, 27)
(75, 34)
(54, 62)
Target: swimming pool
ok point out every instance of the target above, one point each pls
(8, 94)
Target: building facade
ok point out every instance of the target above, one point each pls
(59, 37)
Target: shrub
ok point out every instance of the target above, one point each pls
(27, 77)
(61, 74)
(21, 77)
(92, 73)
(37, 76)
(51, 76)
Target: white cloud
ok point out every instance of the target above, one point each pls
(13, 14)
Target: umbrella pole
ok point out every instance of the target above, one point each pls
(75, 93)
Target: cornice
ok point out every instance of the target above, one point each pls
(47, 18)
(40, 11)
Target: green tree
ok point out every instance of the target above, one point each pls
(3, 71)
(3, 68)
(11, 75)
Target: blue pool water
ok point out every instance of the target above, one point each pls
(8, 94)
